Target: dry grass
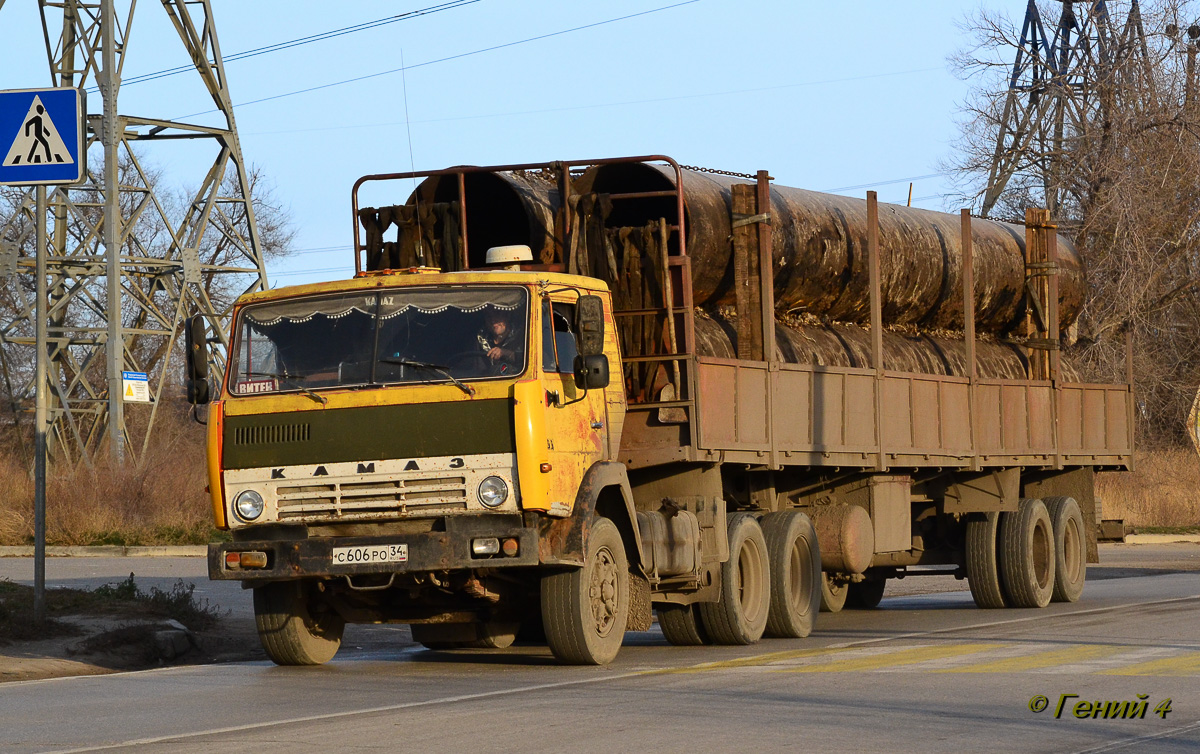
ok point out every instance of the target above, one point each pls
(1162, 490)
(159, 499)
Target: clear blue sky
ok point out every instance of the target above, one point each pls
(824, 95)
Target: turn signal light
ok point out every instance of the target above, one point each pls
(509, 547)
(545, 467)
(255, 559)
(252, 559)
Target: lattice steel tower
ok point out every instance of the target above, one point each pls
(173, 260)
(1061, 83)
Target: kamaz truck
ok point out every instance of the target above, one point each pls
(558, 399)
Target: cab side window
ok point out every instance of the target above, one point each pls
(558, 337)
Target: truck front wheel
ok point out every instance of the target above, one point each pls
(293, 629)
(585, 610)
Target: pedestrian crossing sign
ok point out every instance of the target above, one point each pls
(42, 136)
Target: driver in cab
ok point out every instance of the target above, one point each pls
(502, 342)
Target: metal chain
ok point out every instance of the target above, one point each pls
(719, 172)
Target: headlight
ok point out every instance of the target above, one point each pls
(248, 505)
(493, 492)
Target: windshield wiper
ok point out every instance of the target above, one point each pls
(435, 367)
(295, 382)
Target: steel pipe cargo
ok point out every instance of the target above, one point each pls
(820, 252)
(843, 345)
(503, 208)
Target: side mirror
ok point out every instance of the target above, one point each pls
(591, 372)
(589, 326)
(195, 343)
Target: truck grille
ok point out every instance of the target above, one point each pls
(377, 498)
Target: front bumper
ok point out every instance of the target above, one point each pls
(429, 551)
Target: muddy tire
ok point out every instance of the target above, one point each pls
(681, 625)
(740, 615)
(293, 629)
(865, 594)
(795, 574)
(833, 594)
(1070, 548)
(585, 610)
(1027, 554)
(983, 562)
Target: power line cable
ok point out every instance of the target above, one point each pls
(301, 41)
(449, 57)
(883, 183)
(622, 103)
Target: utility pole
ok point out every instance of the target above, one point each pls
(116, 298)
(110, 83)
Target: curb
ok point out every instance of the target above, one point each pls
(1160, 539)
(109, 551)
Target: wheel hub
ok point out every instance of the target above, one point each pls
(602, 591)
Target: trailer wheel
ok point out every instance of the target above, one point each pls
(293, 629)
(795, 574)
(866, 594)
(983, 563)
(740, 615)
(833, 594)
(1027, 554)
(1070, 548)
(681, 625)
(585, 610)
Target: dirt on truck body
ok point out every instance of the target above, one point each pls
(558, 398)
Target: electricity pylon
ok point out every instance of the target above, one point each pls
(1060, 85)
(126, 265)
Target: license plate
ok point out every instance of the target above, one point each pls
(370, 554)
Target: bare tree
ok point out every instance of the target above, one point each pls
(1126, 172)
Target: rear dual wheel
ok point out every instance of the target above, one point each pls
(833, 594)
(1070, 548)
(740, 615)
(796, 577)
(1027, 553)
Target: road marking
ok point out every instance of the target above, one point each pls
(1049, 659)
(352, 713)
(1128, 742)
(1179, 665)
(910, 656)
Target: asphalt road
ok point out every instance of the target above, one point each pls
(926, 672)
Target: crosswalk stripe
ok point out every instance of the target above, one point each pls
(890, 659)
(1072, 654)
(1187, 664)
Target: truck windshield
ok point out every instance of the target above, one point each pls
(385, 337)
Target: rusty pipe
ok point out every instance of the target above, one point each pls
(502, 208)
(845, 345)
(819, 246)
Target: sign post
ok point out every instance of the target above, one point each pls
(41, 143)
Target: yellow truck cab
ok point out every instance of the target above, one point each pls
(410, 430)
